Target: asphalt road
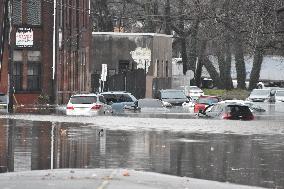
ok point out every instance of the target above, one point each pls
(105, 179)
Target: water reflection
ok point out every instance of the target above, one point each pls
(250, 160)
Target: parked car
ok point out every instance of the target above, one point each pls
(118, 100)
(87, 104)
(192, 92)
(203, 101)
(3, 102)
(195, 92)
(228, 111)
(262, 95)
(147, 105)
(279, 95)
(172, 97)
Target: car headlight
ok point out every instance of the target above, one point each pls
(167, 104)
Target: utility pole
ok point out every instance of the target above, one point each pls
(8, 4)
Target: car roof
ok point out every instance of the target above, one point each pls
(115, 92)
(162, 90)
(89, 94)
(208, 96)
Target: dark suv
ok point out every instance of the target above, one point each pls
(172, 97)
(229, 111)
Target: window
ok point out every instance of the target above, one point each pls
(17, 12)
(34, 12)
(34, 72)
(167, 68)
(158, 69)
(17, 75)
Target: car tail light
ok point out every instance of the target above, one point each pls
(70, 108)
(227, 116)
(97, 107)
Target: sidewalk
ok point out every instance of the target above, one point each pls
(105, 179)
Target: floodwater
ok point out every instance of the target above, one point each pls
(255, 160)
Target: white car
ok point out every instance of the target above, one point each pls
(194, 92)
(279, 95)
(88, 105)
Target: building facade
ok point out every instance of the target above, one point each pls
(49, 54)
(73, 43)
(123, 52)
(29, 53)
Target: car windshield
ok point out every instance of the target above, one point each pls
(260, 92)
(207, 100)
(173, 94)
(194, 88)
(83, 99)
(117, 98)
(150, 103)
(280, 93)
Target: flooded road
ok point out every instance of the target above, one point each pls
(236, 157)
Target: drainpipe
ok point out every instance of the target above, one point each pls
(10, 63)
(54, 55)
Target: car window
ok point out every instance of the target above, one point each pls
(280, 93)
(207, 100)
(83, 99)
(102, 99)
(260, 92)
(117, 98)
(172, 94)
(240, 110)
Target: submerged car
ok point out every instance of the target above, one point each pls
(228, 111)
(192, 92)
(87, 104)
(252, 106)
(195, 92)
(279, 95)
(118, 100)
(203, 101)
(172, 97)
(262, 95)
(147, 105)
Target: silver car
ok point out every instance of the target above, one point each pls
(262, 95)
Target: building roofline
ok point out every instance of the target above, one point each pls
(131, 34)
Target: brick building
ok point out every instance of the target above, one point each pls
(31, 55)
(35, 51)
(73, 36)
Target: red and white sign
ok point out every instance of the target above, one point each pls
(24, 37)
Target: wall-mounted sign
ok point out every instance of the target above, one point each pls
(24, 37)
(142, 56)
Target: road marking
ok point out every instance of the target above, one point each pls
(106, 182)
